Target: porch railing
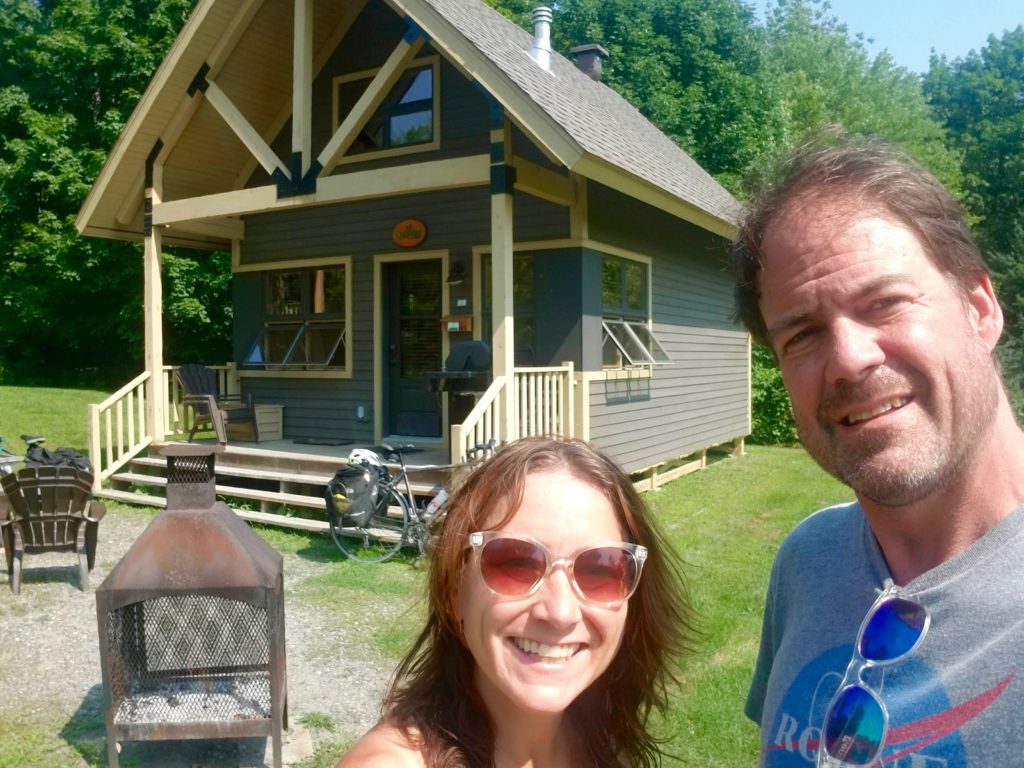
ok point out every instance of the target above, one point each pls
(543, 400)
(118, 429)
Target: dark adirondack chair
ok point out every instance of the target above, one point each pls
(51, 510)
(210, 407)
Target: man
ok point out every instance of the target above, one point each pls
(860, 273)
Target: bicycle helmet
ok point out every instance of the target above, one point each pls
(365, 457)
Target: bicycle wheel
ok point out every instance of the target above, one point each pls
(380, 538)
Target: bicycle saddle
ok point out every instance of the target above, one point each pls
(31, 440)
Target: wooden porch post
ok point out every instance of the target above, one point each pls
(503, 178)
(152, 293)
(302, 88)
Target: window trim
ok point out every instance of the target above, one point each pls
(434, 61)
(303, 323)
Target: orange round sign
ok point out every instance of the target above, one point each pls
(409, 233)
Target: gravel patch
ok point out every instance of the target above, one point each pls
(50, 667)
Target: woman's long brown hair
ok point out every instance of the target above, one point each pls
(433, 697)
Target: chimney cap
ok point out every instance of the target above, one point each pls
(597, 48)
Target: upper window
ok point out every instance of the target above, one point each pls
(407, 118)
(304, 324)
(627, 338)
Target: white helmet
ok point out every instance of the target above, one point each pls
(365, 457)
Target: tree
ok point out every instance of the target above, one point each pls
(71, 71)
(819, 74)
(692, 67)
(980, 98)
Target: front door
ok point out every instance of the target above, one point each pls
(412, 329)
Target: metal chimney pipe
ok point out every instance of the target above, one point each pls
(540, 51)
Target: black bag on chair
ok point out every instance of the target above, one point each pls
(37, 456)
(351, 496)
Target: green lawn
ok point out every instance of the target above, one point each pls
(60, 415)
(726, 521)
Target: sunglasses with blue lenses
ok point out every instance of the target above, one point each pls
(857, 722)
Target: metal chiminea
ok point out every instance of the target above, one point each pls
(191, 622)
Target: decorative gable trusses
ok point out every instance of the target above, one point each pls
(301, 178)
(225, 92)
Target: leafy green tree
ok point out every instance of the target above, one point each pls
(980, 98)
(71, 71)
(692, 67)
(819, 74)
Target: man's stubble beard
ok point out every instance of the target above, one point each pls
(897, 470)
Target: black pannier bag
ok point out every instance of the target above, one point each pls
(37, 456)
(351, 495)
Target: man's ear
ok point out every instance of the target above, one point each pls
(984, 312)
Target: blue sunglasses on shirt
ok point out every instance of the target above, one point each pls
(856, 722)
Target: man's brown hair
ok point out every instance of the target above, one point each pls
(865, 174)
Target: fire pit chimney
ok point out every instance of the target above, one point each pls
(191, 479)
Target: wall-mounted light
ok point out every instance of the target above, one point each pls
(456, 272)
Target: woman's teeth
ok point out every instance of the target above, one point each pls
(546, 651)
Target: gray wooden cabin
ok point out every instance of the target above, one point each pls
(393, 177)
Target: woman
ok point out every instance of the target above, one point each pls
(557, 615)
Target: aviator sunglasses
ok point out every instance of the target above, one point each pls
(857, 721)
(516, 566)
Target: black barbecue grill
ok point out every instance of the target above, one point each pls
(467, 369)
(466, 375)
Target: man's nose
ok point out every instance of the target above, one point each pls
(854, 351)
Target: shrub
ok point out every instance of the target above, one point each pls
(772, 416)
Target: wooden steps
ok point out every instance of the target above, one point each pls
(243, 477)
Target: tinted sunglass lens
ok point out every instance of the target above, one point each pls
(605, 574)
(854, 727)
(511, 566)
(893, 629)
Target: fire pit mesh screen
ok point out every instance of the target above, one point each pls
(190, 469)
(189, 658)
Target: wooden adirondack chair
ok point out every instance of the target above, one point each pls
(210, 407)
(51, 510)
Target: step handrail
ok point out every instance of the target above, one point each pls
(118, 429)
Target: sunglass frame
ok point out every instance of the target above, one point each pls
(477, 540)
(854, 676)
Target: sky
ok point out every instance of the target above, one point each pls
(909, 29)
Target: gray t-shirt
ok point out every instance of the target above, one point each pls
(958, 700)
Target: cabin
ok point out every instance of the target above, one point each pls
(441, 232)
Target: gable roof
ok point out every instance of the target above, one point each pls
(597, 125)
(586, 125)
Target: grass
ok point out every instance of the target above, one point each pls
(726, 521)
(60, 415)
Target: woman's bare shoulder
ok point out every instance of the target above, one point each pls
(385, 746)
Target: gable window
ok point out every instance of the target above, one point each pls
(304, 325)
(627, 340)
(406, 120)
